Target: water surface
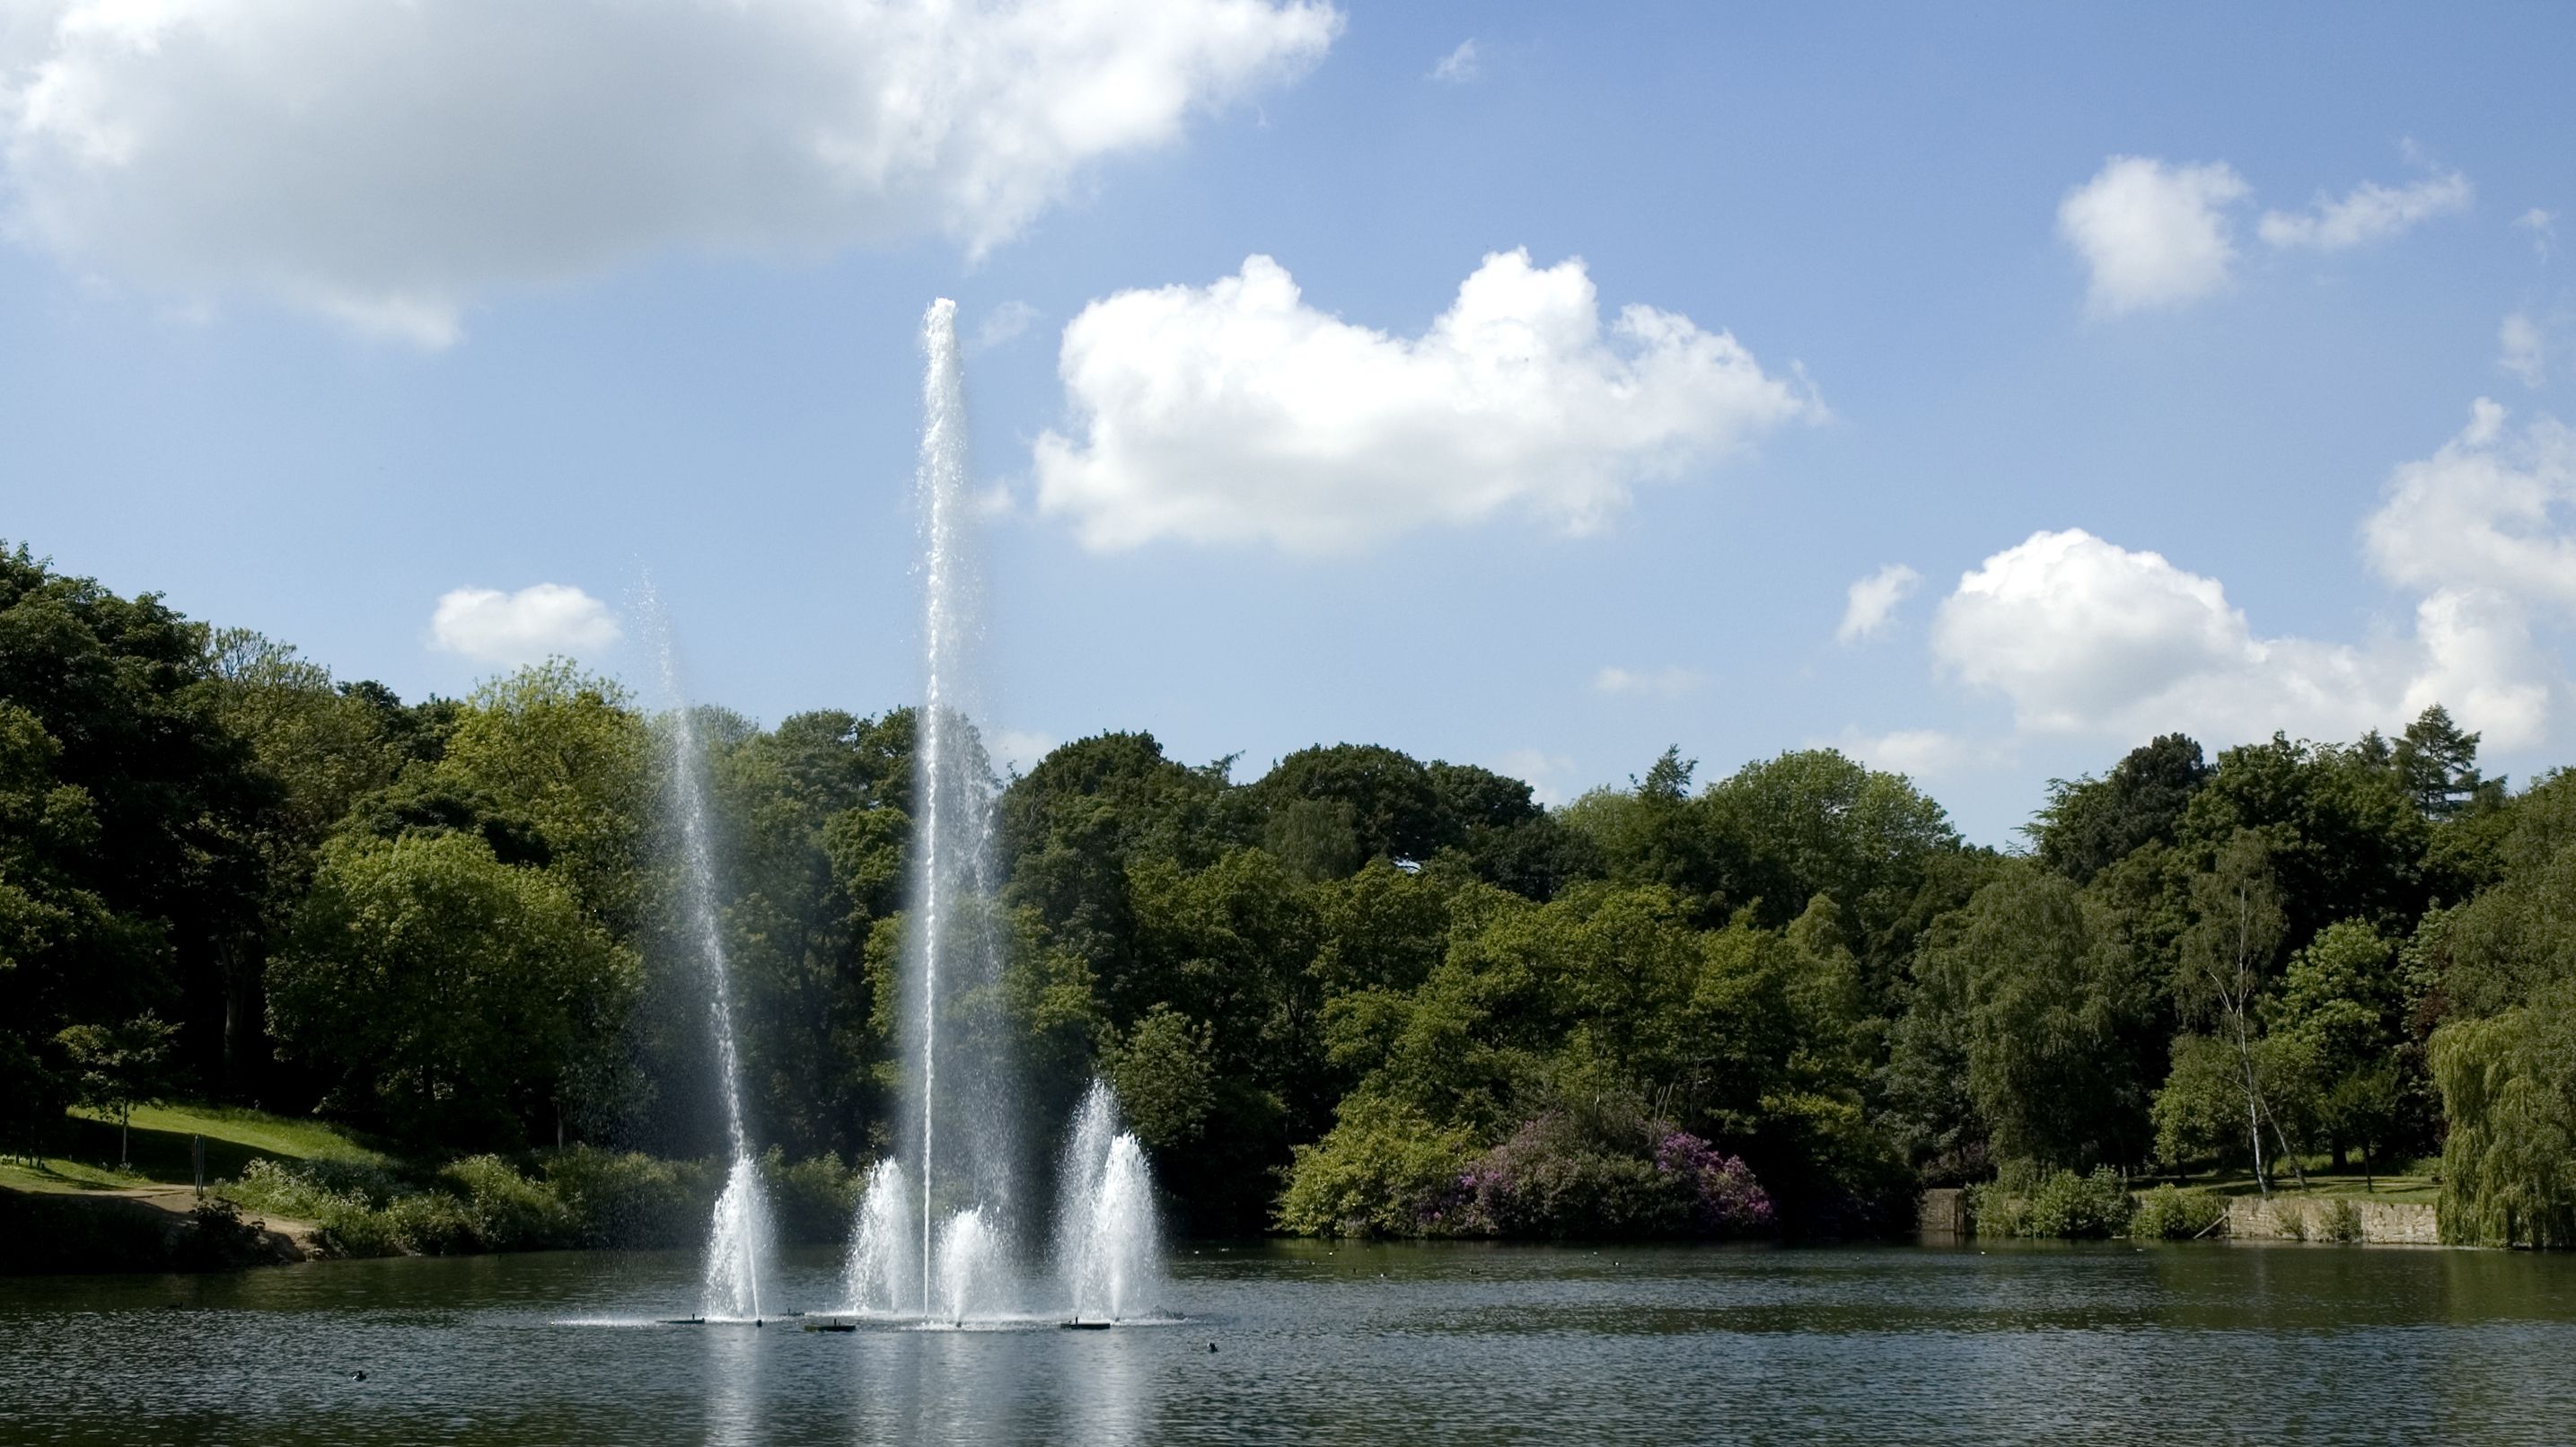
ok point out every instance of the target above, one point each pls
(1317, 1344)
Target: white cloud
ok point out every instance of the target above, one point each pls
(2368, 212)
(2086, 637)
(2520, 349)
(1923, 753)
(1548, 775)
(2543, 228)
(1670, 681)
(1459, 66)
(2153, 234)
(385, 162)
(2493, 509)
(1871, 601)
(490, 626)
(1019, 750)
(1237, 413)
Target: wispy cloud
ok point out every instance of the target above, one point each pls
(2543, 228)
(1003, 325)
(2368, 212)
(1459, 66)
(2521, 350)
(1670, 681)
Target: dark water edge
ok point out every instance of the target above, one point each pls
(1331, 1344)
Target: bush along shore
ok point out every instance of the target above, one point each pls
(580, 1197)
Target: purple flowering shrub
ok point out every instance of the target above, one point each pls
(1559, 1176)
(1724, 1198)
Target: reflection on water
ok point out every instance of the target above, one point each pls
(1340, 1344)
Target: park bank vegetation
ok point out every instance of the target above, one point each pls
(1358, 993)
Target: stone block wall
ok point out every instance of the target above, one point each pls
(2292, 1217)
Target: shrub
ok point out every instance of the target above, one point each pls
(2169, 1213)
(2057, 1204)
(1385, 1170)
(506, 1211)
(1554, 1179)
(812, 1200)
(631, 1200)
(1563, 1175)
(2342, 1223)
(432, 1223)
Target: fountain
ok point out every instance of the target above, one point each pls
(880, 1277)
(1108, 1236)
(738, 1240)
(952, 1197)
(962, 1139)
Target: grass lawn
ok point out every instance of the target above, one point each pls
(235, 1136)
(2327, 1185)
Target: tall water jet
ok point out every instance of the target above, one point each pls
(882, 1272)
(738, 1240)
(963, 1133)
(1109, 1238)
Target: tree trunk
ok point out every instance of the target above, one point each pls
(2253, 1110)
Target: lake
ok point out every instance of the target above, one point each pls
(1341, 1343)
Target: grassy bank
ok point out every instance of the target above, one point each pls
(362, 1198)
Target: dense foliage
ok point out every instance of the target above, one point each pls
(1359, 993)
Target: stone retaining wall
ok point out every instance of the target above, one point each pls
(2290, 1217)
(1943, 1213)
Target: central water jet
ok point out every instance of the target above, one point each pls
(964, 1132)
(955, 1195)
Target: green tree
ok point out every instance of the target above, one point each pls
(453, 996)
(2226, 970)
(2090, 824)
(1164, 1082)
(143, 880)
(116, 1068)
(2059, 1019)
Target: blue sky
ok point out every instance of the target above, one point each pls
(314, 314)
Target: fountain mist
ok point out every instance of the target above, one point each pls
(738, 1240)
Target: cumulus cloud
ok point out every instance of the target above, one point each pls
(2368, 212)
(2152, 234)
(387, 161)
(1871, 601)
(1670, 681)
(2086, 637)
(1237, 413)
(2520, 349)
(1459, 66)
(2493, 509)
(509, 629)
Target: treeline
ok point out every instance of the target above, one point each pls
(1358, 993)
